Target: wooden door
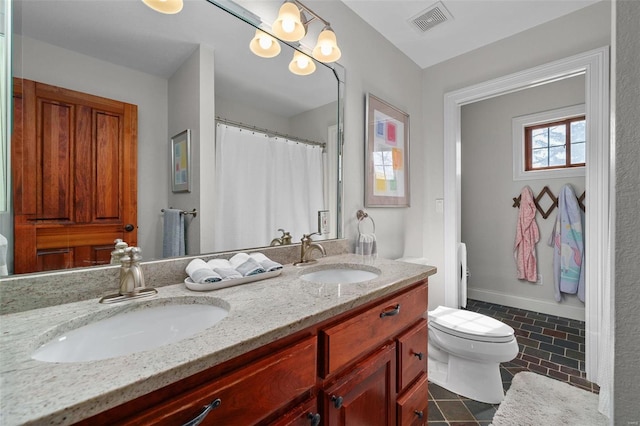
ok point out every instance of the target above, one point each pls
(74, 163)
(366, 396)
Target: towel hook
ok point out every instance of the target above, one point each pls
(361, 215)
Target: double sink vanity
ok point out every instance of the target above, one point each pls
(337, 342)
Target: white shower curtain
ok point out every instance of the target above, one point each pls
(264, 183)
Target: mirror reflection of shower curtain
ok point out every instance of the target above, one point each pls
(264, 183)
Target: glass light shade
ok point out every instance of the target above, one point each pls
(165, 6)
(327, 49)
(264, 45)
(301, 64)
(288, 26)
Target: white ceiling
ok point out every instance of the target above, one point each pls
(475, 23)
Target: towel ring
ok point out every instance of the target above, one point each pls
(361, 215)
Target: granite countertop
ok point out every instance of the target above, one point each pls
(35, 392)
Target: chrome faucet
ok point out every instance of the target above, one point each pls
(307, 247)
(285, 239)
(132, 285)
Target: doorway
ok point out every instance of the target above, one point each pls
(595, 67)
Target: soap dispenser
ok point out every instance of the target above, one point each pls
(118, 252)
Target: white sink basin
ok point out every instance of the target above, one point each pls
(341, 274)
(130, 332)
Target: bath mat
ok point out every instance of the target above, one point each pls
(536, 400)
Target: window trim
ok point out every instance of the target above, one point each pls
(518, 125)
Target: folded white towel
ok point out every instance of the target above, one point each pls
(367, 245)
(268, 264)
(223, 268)
(200, 272)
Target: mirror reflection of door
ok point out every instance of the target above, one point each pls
(74, 162)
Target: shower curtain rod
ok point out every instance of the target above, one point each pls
(269, 132)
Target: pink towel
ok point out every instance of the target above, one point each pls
(527, 235)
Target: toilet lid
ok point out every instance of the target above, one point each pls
(469, 325)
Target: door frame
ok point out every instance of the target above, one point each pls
(594, 65)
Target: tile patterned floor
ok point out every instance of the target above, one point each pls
(549, 345)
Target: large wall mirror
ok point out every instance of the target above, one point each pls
(190, 71)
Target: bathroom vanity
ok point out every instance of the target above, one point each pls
(289, 352)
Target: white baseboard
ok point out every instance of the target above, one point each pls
(536, 305)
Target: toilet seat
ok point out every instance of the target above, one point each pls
(470, 325)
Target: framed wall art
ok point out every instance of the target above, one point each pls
(181, 162)
(387, 155)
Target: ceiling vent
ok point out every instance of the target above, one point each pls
(429, 18)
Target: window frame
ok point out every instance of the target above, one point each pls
(545, 119)
(528, 148)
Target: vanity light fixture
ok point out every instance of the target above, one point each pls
(327, 49)
(292, 23)
(288, 26)
(168, 7)
(301, 64)
(264, 45)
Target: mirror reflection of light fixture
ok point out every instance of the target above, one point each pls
(301, 64)
(264, 45)
(327, 49)
(165, 6)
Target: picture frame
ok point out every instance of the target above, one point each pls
(181, 162)
(387, 155)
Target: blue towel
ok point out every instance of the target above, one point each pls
(567, 240)
(173, 238)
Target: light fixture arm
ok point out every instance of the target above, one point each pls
(314, 15)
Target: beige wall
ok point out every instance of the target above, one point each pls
(488, 218)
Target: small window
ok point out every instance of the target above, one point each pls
(550, 144)
(556, 145)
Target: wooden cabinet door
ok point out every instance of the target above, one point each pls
(74, 162)
(366, 395)
(305, 414)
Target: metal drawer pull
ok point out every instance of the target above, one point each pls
(337, 401)
(392, 312)
(315, 418)
(207, 408)
(419, 355)
(420, 414)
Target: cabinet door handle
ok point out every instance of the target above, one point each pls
(315, 418)
(420, 414)
(337, 401)
(419, 355)
(200, 417)
(391, 312)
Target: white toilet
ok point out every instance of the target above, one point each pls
(466, 348)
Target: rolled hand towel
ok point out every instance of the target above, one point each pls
(250, 267)
(238, 259)
(223, 268)
(268, 264)
(200, 272)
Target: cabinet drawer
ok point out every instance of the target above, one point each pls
(248, 395)
(412, 354)
(357, 335)
(413, 405)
